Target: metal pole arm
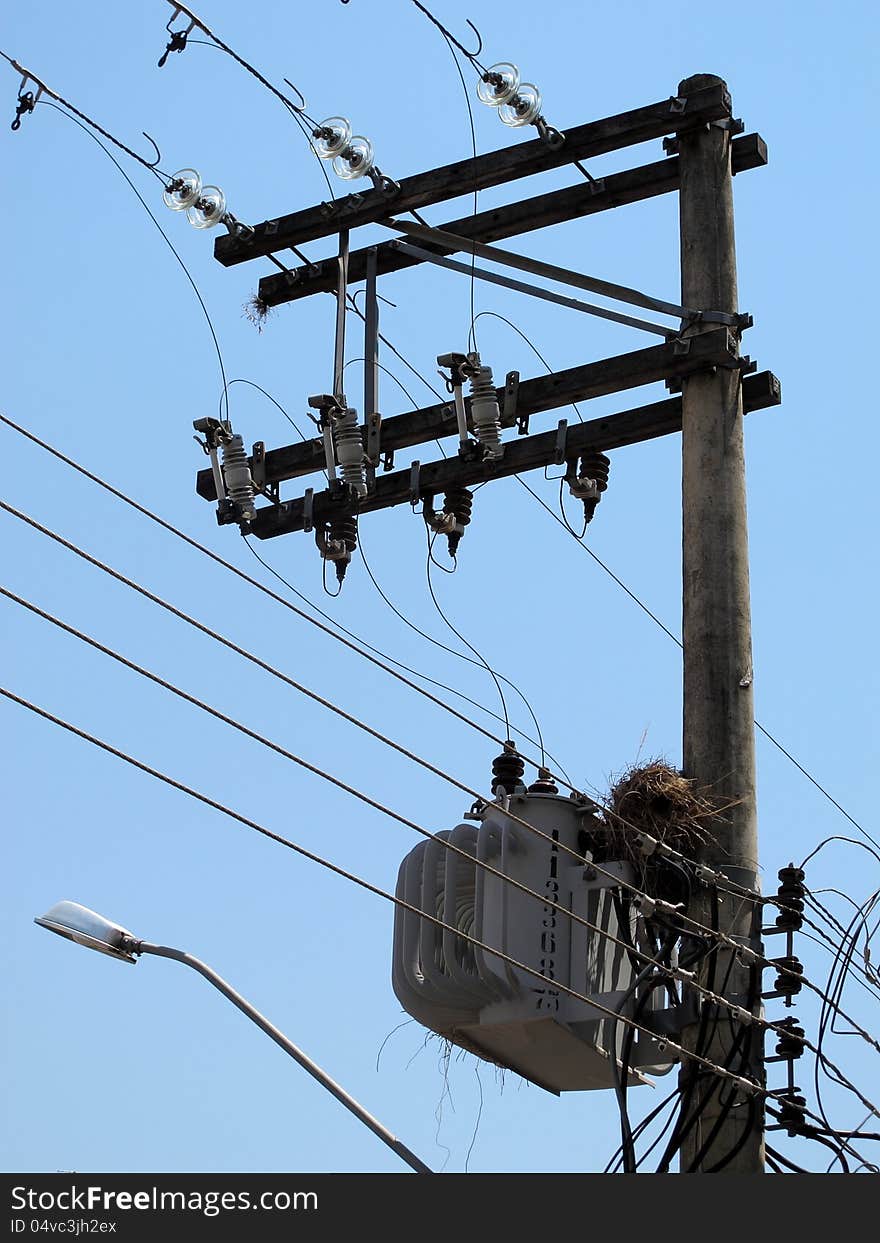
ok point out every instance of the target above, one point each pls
(164, 951)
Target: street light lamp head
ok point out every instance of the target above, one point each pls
(90, 929)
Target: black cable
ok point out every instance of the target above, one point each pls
(167, 240)
(472, 333)
(295, 111)
(460, 655)
(784, 1161)
(770, 737)
(321, 861)
(93, 125)
(530, 343)
(479, 656)
(273, 400)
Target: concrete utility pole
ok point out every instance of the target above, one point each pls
(719, 741)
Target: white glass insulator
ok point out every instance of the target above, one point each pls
(501, 87)
(209, 209)
(356, 160)
(332, 138)
(524, 108)
(187, 185)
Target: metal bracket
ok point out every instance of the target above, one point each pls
(374, 426)
(388, 460)
(561, 438)
(678, 103)
(681, 346)
(734, 124)
(258, 474)
(671, 144)
(511, 396)
(414, 483)
(308, 509)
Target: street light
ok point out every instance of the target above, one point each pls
(77, 923)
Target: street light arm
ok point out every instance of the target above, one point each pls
(396, 1145)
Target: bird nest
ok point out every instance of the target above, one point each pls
(655, 799)
(256, 311)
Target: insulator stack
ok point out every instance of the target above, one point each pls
(458, 503)
(590, 482)
(350, 450)
(545, 783)
(507, 770)
(485, 414)
(338, 541)
(788, 982)
(790, 1044)
(791, 894)
(792, 1111)
(237, 476)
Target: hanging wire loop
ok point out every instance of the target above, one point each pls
(302, 105)
(158, 160)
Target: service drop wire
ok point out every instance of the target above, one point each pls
(685, 920)
(481, 664)
(653, 964)
(165, 237)
(150, 165)
(472, 331)
(155, 599)
(299, 114)
(654, 618)
(364, 884)
(238, 572)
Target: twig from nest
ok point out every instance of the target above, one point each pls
(256, 311)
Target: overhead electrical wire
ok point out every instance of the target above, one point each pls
(187, 539)
(151, 166)
(685, 920)
(128, 151)
(776, 743)
(226, 719)
(362, 883)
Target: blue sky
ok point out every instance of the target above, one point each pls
(108, 356)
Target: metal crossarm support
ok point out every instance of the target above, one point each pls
(522, 454)
(574, 202)
(535, 291)
(534, 395)
(582, 142)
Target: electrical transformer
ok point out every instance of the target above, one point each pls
(500, 1012)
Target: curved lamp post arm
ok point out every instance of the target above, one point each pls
(396, 1145)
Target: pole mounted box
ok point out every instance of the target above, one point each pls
(511, 1017)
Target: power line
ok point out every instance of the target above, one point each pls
(228, 643)
(352, 720)
(32, 77)
(364, 884)
(676, 640)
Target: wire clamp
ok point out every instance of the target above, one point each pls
(309, 509)
(177, 42)
(561, 438)
(27, 101)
